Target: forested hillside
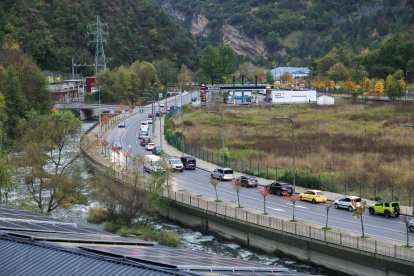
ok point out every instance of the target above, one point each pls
(295, 31)
(55, 31)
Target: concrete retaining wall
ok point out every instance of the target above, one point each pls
(272, 241)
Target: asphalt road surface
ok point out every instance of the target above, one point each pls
(198, 182)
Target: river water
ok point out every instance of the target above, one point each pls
(193, 239)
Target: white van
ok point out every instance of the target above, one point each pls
(144, 126)
(153, 163)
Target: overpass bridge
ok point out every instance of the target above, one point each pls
(89, 111)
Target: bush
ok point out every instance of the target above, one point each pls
(97, 215)
(112, 227)
(167, 238)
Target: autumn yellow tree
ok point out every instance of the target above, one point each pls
(366, 85)
(379, 87)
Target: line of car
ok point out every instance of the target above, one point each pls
(384, 207)
(280, 188)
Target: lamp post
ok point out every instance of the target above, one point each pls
(293, 150)
(152, 109)
(222, 132)
(99, 103)
(182, 125)
(127, 154)
(412, 192)
(311, 78)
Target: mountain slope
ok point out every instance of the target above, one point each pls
(55, 31)
(289, 31)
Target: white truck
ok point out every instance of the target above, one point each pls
(153, 163)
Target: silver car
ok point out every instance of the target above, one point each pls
(347, 202)
(410, 225)
(222, 174)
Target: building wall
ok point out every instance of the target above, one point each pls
(293, 96)
(325, 100)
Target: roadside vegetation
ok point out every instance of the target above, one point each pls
(127, 209)
(349, 148)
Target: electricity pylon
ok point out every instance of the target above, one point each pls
(99, 32)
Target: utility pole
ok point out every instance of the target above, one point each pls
(99, 32)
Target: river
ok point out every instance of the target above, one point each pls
(193, 239)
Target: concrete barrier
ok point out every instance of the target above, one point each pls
(335, 250)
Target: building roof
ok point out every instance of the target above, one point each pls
(33, 244)
(26, 257)
(276, 72)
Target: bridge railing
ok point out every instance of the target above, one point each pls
(227, 210)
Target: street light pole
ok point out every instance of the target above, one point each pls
(152, 109)
(293, 150)
(222, 132)
(100, 119)
(182, 125)
(412, 191)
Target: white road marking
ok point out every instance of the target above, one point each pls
(276, 209)
(297, 206)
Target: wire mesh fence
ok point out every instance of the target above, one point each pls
(342, 184)
(256, 218)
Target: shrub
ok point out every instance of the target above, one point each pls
(97, 215)
(167, 238)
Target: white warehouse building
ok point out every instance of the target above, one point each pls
(325, 100)
(292, 96)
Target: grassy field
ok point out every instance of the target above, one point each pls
(355, 148)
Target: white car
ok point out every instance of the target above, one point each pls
(149, 122)
(176, 164)
(222, 174)
(143, 126)
(347, 202)
(410, 225)
(150, 146)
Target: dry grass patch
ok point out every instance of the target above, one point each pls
(359, 144)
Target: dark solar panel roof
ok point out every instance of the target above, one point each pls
(32, 244)
(27, 258)
(75, 237)
(184, 258)
(12, 213)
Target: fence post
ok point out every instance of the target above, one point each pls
(276, 173)
(267, 171)
(258, 168)
(310, 232)
(250, 165)
(395, 250)
(340, 238)
(242, 166)
(375, 246)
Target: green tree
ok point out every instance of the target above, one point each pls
(166, 70)
(393, 87)
(227, 60)
(269, 77)
(3, 119)
(5, 174)
(338, 72)
(31, 78)
(286, 77)
(50, 154)
(218, 62)
(209, 61)
(16, 104)
(184, 75)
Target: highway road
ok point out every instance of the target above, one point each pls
(198, 182)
